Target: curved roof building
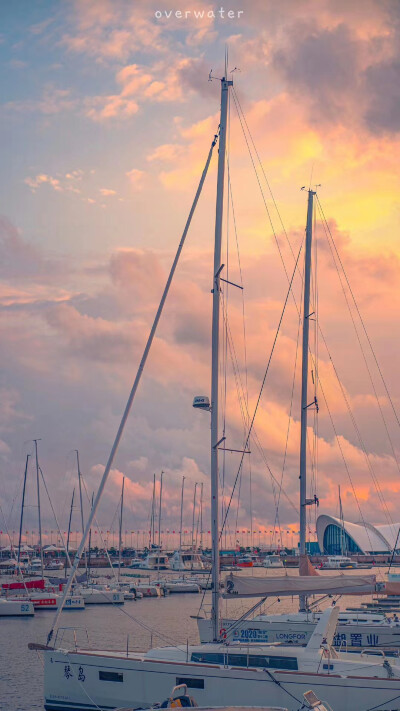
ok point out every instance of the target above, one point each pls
(336, 537)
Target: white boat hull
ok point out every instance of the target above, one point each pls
(109, 680)
(179, 586)
(16, 608)
(50, 601)
(182, 588)
(45, 601)
(102, 597)
(75, 602)
(148, 590)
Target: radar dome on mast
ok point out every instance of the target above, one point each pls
(201, 402)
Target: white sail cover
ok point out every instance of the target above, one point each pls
(237, 586)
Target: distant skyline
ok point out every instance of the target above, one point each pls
(107, 114)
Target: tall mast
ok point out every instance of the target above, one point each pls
(69, 530)
(81, 501)
(215, 357)
(159, 513)
(152, 513)
(38, 503)
(90, 546)
(194, 514)
(304, 385)
(181, 521)
(22, 507)
(342, 536)
(120, 529)
(201, 517)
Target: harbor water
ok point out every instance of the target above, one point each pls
(136, 625)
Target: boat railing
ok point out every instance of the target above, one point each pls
(69, 636)
(376, 652)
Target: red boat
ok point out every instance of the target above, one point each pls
(245, 561)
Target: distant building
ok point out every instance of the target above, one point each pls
(336, 537)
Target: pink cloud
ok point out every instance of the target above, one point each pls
(135, 178)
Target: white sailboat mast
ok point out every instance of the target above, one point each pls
(22, 508)
(153, 513)
(215, 357)
(304, 385)
(181, 521)
(159, 522)
(81, 503)
(120, 529)
(194, 514)
(38, 504)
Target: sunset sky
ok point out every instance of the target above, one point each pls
(106, 117)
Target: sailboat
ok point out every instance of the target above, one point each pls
(187, 559)
(243, 674)
(355, 630)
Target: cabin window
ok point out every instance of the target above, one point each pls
(211, 658)
(110, 676)
(237, 660)
(190, 683)
(273, 662)
(244, 660)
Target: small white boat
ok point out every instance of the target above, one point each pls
(55, 565)
(272, 561)
(148, 589)
(136, 564)
(338, 562)
(128, 593)
(187, 560)
(95, 596)
(203, 581)
(156, 561)
(10, 565)
(35, 566)
(16, 608)
(178, 586)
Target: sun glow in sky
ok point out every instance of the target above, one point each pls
(107, 116)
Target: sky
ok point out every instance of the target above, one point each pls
(107, 114)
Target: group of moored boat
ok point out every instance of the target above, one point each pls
(226, 668)
(24, 597)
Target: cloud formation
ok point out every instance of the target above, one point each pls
(127, 99)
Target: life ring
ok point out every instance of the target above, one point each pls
(222, 633)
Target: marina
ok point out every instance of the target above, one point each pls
(98, 629)
(199, 401)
